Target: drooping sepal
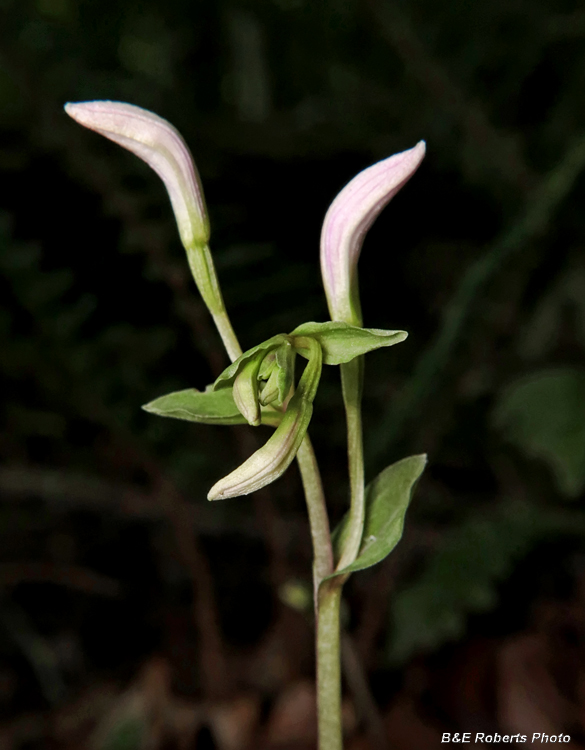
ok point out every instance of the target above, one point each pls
(387, 500)
(342, 342)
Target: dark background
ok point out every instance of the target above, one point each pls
(133, 614)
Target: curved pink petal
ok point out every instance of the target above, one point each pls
(162, 147)
(347, 221)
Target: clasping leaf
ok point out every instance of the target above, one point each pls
(387, 499)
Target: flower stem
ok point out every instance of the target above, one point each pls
(351, 383)
(318, 518)
(228, 336)
(329, 666)
(327, 597)
(205, 275)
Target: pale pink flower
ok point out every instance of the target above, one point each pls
(162, 147)
(347, 221)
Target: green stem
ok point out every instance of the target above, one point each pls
(351, 383)
(329, 666)
(204, 273)
(327, 595)
(228, 336)
(318, 518)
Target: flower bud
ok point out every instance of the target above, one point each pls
(347, 221)
(245, 391)
(161, 146)
(272, 460)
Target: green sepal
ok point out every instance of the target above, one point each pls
(280, 377)
(387, 499)
(342, 342)
(259, 352)
(270, 461)
(206, 407)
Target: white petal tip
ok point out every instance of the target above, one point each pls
(217, 493)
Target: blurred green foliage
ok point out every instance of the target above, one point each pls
(464, 574)
(543, 416)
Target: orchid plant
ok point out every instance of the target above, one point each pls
(260, 385)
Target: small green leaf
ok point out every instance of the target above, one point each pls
(227, 377)
(543, 416)
(387, 499)
(208, 407)
(342, 342)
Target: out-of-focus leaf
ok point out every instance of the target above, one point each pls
(462, 575)
(129, 734)
(544, 416)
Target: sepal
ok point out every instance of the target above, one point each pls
(206, 407)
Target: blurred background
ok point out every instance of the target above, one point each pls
(133, 613)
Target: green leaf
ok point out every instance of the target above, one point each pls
(208, 407)
(342, 342)
(387, 499)
(227, 377)
(543, 415)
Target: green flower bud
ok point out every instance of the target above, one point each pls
(272, 460)
(245, 391)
